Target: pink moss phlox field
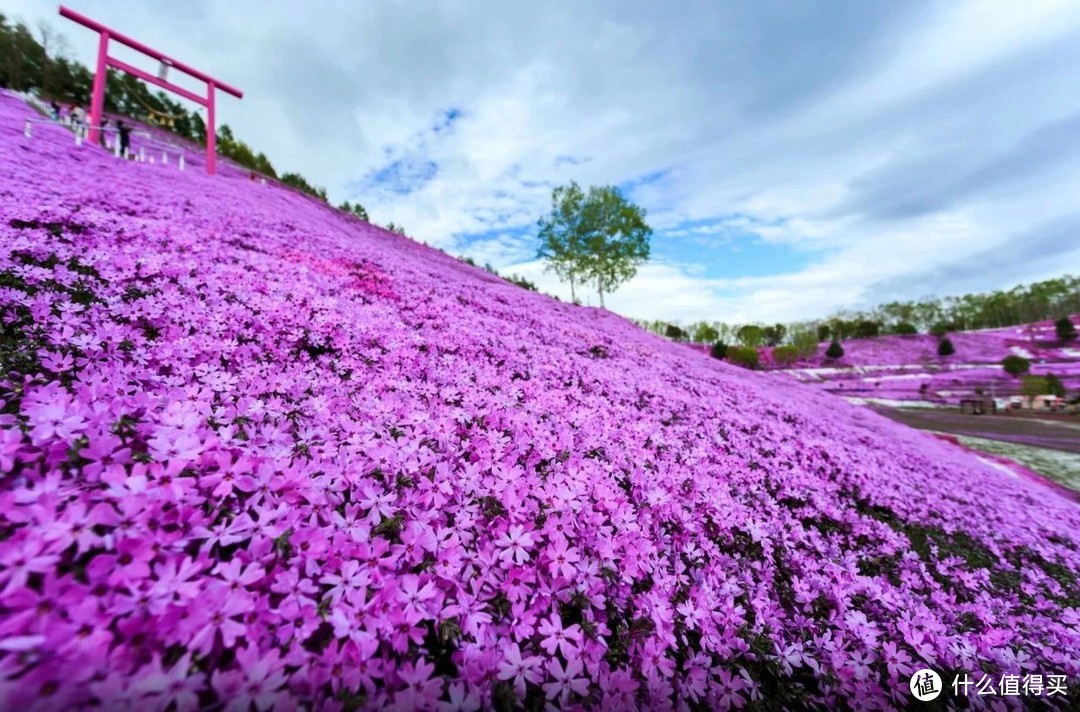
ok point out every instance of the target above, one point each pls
(908, 368)
(256, 453)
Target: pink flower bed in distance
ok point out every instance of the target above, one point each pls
(258, 453)
(896, 367)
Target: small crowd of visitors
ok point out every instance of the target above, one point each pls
(78, 120)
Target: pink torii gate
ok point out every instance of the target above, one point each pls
(104, 61)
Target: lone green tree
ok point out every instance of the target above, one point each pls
(597, 238)
(750, 335)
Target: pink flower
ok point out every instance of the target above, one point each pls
(349, 583)
(897, 661)
(562, 557)
(692, 615)
(18, 562)
(176, 578)
(413, 596)
(729, 689)
(258, 682)
(179, 686)
(519, 669)
(515, 544)
(421, 691)
(379, 504)
(51, 413)
(565, 681)
(10, 444)
(238, 577)
(177, 446)
(565, 640)
(220, 619)
(462, 699)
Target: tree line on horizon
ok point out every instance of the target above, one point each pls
(1023, 304)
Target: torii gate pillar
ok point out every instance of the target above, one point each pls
(104, 61)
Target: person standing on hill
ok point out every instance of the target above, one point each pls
(125, 137)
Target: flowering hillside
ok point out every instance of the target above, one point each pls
(256, 453)
(986, 346)
(908, 368)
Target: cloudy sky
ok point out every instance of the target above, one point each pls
(794, 157)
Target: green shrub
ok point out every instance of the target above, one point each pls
(719, 350)
(745, 356)
(945, 347)
(675, 333)
(941, 328)
(521, 282)
(1015, 365)
(785, 356)
(1065, 329)
(906, 328)
(835, 350)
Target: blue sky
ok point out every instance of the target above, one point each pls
(794, 157)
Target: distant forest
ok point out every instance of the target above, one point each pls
(1050, 299)
(33, 60)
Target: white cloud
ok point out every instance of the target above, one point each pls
(902, 140)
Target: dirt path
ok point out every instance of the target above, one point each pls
(1005, 428)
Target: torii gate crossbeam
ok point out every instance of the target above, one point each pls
(104, 61)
